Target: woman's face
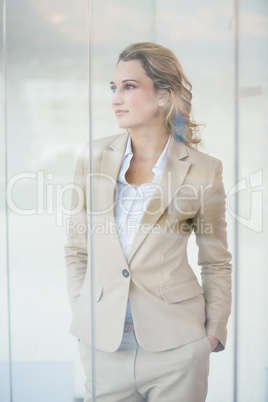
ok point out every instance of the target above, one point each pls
(136, 103)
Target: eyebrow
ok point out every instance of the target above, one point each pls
(125, 81)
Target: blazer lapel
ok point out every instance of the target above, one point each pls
(110, 167)
(176, 168)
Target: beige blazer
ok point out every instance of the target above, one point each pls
(169, 307)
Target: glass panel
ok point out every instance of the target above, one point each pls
(201, 35)
(47, 120)
(4, 312)
(253, 147)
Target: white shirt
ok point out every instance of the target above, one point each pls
(131, 202)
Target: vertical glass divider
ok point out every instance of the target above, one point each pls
(236, 176)
(4, 9)
(91, 209)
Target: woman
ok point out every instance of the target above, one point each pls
(155, 326)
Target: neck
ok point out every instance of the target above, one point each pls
(148, 144)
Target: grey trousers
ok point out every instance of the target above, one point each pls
(132, 374)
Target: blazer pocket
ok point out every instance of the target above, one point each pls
(86, 291)
(181, 291)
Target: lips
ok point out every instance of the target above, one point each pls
(120, 112)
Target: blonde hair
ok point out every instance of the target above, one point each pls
(163, 67)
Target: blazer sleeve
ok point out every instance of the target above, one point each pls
(214, 257)
(76, 251)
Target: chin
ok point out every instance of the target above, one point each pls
(122, 125)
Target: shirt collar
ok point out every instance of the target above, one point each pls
(160, 161)
(128, 147)
(157, 169)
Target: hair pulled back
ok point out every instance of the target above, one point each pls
(163, 67)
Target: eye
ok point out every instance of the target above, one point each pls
(113, 89)
(129, 86)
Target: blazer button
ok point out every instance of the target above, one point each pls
(125, 273)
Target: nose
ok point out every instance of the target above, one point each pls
(117, 98)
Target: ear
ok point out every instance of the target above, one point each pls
(164, 97)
